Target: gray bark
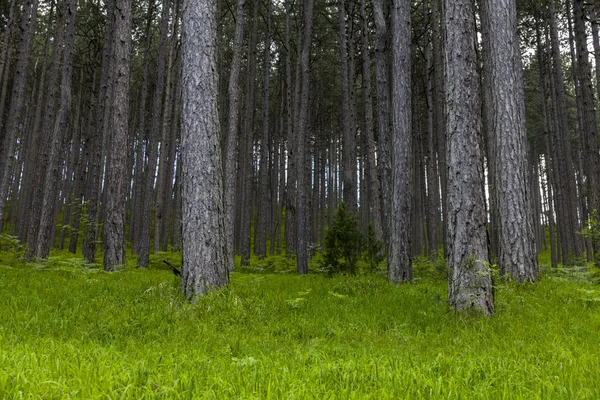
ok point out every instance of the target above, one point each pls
(349, 134)
(205, 258)
(506, 112)
(12, 127)
(163, 178)
(154, 138)
(262, 206)
(383, 116)
(590, 149)
(303, 138)
(233, 132)
(400, 260)
(375, 191)
(566, 192)
(113, 242)
(470, 281)
(50, 188)
(95, 145)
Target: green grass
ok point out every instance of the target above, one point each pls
(69, 331)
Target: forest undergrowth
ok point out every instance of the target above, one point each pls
(70, 330)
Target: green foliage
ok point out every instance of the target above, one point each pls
(71, 331)
(342, 243)
(375, 252)
(435, 270)
(591, 232)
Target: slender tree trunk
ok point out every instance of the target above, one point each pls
(383, 116)
(262, 206)
(566, 192)
(400, 260)
(114, 210)
(292, 144)
(154, 138)
(141, 135)
(433, 187)
(246, 164)
(303, 138)
(233, 132)
(95, 145)
(160, 241)
(12, 127)
(50, 191)
(589, 123)
(205, 258)
(375, 191)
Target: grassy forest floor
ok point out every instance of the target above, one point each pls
(73, 331)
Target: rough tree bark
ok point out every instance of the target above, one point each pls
(506, 112)
(470, 282)
(113, 242)
(232, 131)
(400, 260)
(204, 266)
(50, 188)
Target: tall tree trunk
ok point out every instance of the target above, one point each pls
(163, 179)
(589, 123)
(400, 260)
(566, 193)
(50, 191)
(11, 129)
(433, 187)
(204, 265)
(303, 139)
(262, 206)
(375, 191)
(349, 134)
(292, 144)
(95, 144)
(383, 116)
(140, 140)
(154, 138)
(113, 242)
(231, 147)
(506, 110)
(470, 283)
(246, 174)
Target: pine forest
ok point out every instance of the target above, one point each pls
(299, 199)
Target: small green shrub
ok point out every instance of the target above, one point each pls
(342, 244)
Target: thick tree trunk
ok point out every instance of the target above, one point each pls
(470, 281)
(205, 258)
(506, 112)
